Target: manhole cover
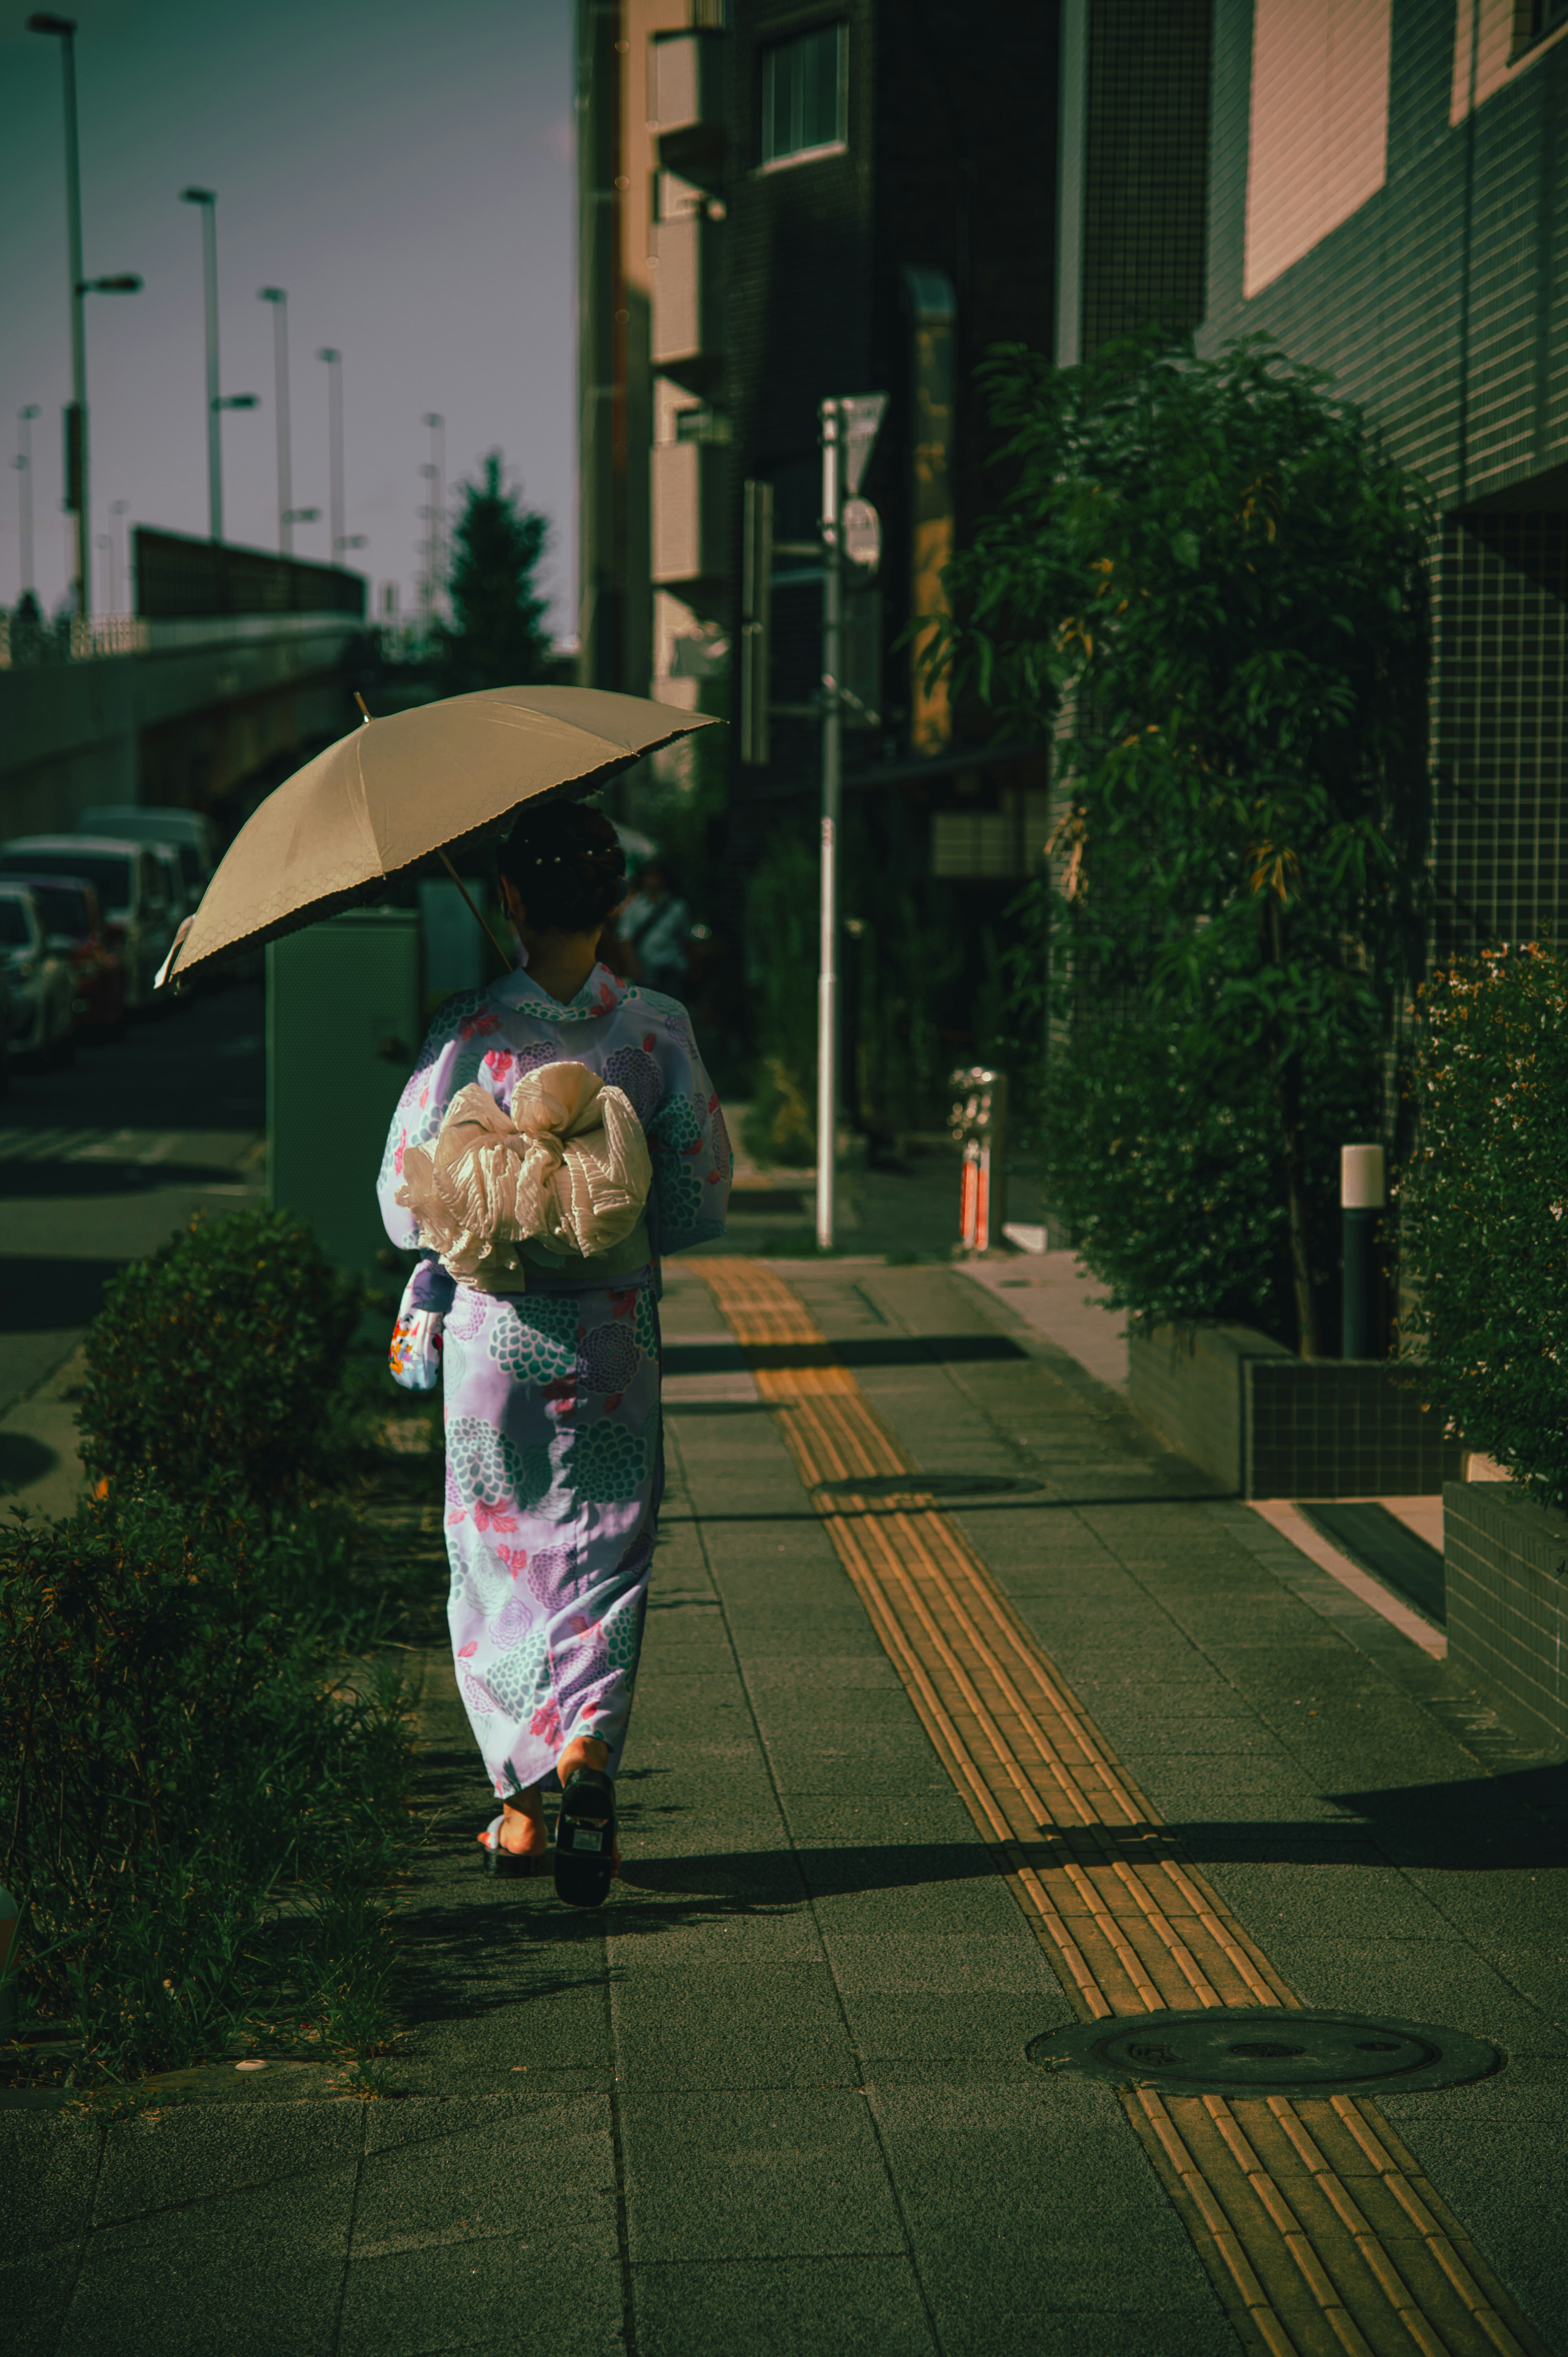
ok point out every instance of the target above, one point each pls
(928, 1485)
(1267, 2051)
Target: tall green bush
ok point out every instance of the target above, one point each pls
(214, 1365)
(1483, 1208)
(191, 1794)
(1208, 580)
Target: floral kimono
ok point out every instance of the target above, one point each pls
(554, 1463)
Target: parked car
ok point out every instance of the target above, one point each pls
(38, 981)
(75, 930)
(129, 883)
(184, 900)
(189, 832)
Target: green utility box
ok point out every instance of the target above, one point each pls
(345, 1018)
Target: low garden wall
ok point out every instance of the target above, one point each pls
(1268, 1425)
(1506, 1571)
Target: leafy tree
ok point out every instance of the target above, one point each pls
(1208, 579)
(497, 637)
(1483, 1202)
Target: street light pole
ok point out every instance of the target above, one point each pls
(63, 29)
(435, 474)
(117, 508)
(23, 462)
(334, 360)
(831, 415)
(208, 201)
(279, 301)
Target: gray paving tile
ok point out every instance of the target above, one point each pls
(35, 2292)
(940, 1963)
(255, 2270)
(436, 2181)
(1068, 2194)
(740, 2026)
(501, 2297)
(1440, 1980)
(774, 2173)
(781, 2308)
(48, 2168)
(203, 2152)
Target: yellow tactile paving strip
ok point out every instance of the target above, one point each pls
(1313, 2218)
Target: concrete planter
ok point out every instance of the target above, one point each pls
(1268, 1425)
(1505, 1563)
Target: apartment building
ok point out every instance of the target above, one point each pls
(780, 203)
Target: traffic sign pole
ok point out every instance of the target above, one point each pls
(850, 428)
(832, 772)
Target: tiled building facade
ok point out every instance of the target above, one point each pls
(1387, 199)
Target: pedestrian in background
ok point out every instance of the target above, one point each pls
(655, 929)
(549, 1355)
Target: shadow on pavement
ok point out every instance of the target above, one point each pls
(61, 1181)
(41, 1295)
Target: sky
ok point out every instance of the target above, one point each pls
(403, 169)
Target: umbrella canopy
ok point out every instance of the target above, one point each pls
(386, 798)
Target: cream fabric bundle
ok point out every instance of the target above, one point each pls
(569, 1169)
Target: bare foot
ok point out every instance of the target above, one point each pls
(522, 1832)
(587, 1752)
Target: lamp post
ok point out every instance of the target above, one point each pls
(117, 508)
(63, 29)
(435, 473)
(208, 201)
(334, 359)
(23, 463)
(279, 301)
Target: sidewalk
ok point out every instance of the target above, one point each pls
(775, 2098)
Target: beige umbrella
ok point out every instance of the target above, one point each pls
(397, 795)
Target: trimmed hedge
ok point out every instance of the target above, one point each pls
(1483, 1206)
(213, 1363)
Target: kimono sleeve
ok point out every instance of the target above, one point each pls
(689, 1147)
(450, 1057)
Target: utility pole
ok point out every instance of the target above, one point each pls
(831, 415)
(850, 428)
(23, 462)
(435, 474)
(279, 301)
(64, 30)
(334, 359)
(118, 508)
(208, 202)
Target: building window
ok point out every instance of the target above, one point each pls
(804, 94)
(1533, 19)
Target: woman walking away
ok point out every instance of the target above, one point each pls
(558, 1134)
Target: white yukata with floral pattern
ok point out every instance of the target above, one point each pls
(554, 1462)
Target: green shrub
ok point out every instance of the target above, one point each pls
(1169, 1176)
(1483, 1208)
(190, 1791)
(214, 1363)
(1206, 579)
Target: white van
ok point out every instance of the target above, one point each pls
(189, 832)
(129, 881)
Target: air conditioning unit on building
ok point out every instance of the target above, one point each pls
(688, 511)
(688, 105)
(686, 335)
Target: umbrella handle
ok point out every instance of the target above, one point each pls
(473, 911)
